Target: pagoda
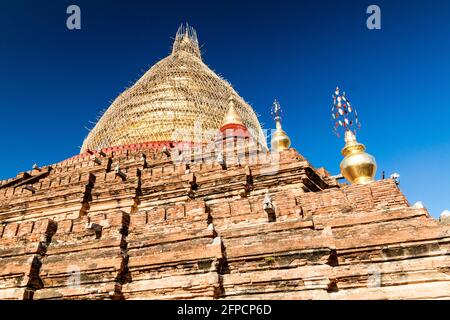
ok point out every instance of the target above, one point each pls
(177, 195)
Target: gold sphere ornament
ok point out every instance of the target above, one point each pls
(280, 140)
(358, 167)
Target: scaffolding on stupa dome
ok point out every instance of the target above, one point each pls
(172, 101)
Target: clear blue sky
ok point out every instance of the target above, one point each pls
(54, 81)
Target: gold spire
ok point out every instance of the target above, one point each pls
(358, 167)
(232, 117)
(186, 40)
(280, 140)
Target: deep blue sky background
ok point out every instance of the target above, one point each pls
(54, 81)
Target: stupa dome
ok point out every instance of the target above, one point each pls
(179, 99)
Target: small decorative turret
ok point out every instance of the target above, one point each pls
(445, 217)
(232, 117)
(232, 125)
(358, 167)
(280, 140)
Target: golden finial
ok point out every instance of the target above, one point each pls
(232, 117)
(280, 140)
(358, 167)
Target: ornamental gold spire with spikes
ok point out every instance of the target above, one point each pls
(280, 140)
(358, 167)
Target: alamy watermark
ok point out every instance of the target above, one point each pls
(374, 20)
(73, 21)
(227, 147)
(74, 276)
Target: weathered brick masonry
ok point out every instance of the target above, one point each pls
(275, 228)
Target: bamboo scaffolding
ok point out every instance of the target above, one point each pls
(175, 98)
